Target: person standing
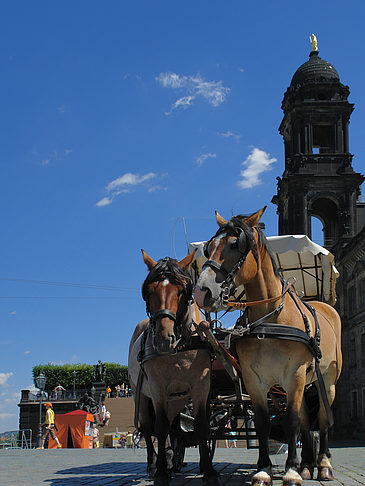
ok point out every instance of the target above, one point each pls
(108, 390)
(95, 436)
(58, 390)
(49, 426)
(129, 440)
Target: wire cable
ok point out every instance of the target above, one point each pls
(70, 284)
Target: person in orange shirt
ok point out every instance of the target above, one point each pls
(108, 390)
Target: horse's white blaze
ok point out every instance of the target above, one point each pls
(216, 244)
(165, 282)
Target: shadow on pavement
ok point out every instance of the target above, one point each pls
(126, 473)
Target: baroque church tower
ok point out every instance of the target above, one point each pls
(318, 179)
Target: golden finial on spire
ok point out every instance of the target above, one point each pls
(313, 40)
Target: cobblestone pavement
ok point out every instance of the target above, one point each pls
(119, 467)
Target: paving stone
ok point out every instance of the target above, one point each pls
(125, 467)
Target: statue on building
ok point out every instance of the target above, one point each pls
(99, 372)
(88, 404)
(314, 42)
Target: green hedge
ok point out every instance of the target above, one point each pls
(116, 374)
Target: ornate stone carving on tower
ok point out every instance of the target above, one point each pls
(318, 179)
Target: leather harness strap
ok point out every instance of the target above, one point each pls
(262, 329)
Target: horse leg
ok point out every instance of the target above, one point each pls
(162, 426)
(201, 429)
(325, 470)
(295, 392)
(308, 459)
(263, 475)
(147, 420)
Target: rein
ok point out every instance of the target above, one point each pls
(243, 305)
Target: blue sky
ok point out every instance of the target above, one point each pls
(118, 119)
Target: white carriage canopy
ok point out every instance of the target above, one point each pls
(296, 256)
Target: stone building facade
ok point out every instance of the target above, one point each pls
(319, 181)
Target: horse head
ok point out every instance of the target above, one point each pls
(232, 260)
(167, 292)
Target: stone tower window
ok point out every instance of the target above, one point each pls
(323, 139)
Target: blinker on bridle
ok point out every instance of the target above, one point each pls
(228, 285)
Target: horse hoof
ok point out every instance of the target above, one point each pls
(292, 478)
(306, 473)
(261, 479)
(325, 474)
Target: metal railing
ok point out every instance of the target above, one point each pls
(54, 396)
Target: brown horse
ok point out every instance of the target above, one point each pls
(280, 344)
(173, 370)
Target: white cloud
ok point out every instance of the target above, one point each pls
(202, 158)
(128, 179)
(4, 377)
(157, 188)
(213, 92)
(56, 155)
(182, 103)
(13, 313)
(229, 134)
(256, 163)
(27, 351)
(129, 75)
(104, 202)
(124, 184)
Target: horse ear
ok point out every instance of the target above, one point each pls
(150, 262)
(220, 220)
(254, 219)
(188, 260)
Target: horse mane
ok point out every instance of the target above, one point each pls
(263, 241)
(168, 268)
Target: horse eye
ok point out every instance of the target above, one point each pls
(234, 244)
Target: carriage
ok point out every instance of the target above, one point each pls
(312, 268)
(239, 268)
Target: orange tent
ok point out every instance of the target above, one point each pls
(74, 430)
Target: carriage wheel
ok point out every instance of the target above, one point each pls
(178, 448)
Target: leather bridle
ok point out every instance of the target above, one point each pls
(228, 285)
(183, 307)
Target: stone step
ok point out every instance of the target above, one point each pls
(122, 416)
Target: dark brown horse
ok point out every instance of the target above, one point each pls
(173, 370)
(238, 255)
